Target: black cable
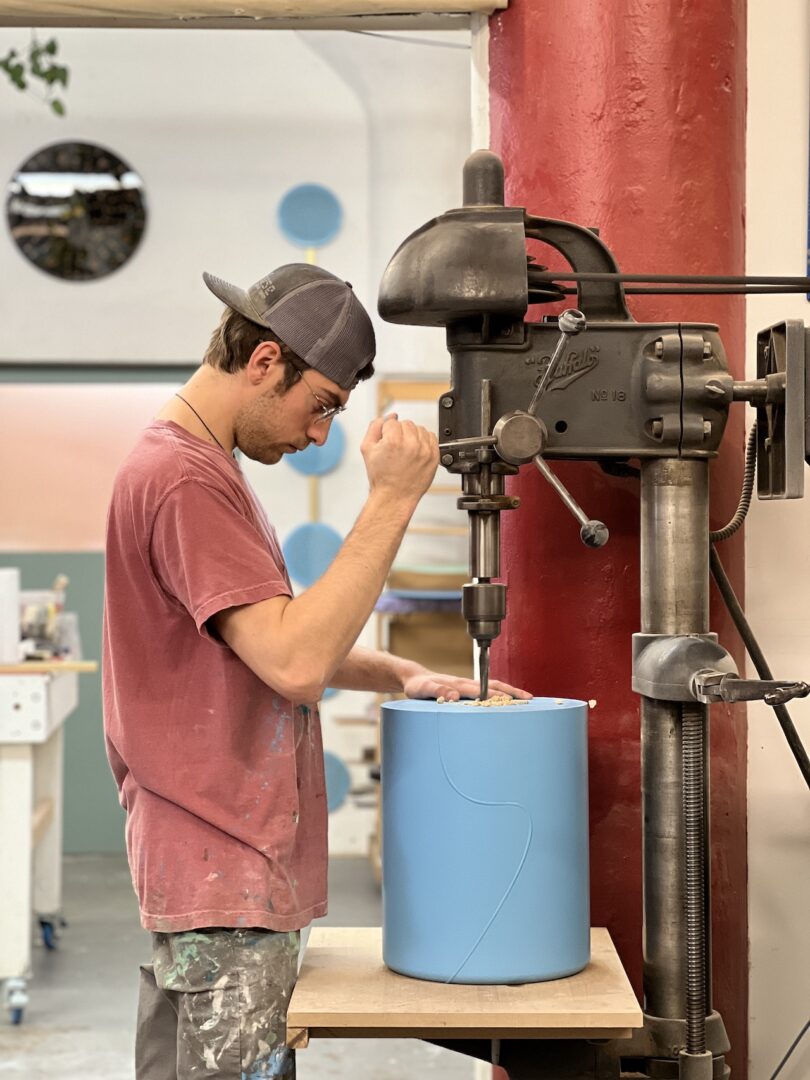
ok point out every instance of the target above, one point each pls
(793, 1046)
(758, 659)
(736, 611)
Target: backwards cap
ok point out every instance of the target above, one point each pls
(314, 313)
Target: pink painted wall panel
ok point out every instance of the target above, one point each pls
(60, 447)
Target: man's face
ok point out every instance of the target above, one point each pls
(274, 422)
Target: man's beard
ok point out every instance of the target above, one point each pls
(254, 428)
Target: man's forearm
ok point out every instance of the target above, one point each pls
(320, 626)
(370, 669)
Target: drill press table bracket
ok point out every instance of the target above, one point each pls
(345, 991)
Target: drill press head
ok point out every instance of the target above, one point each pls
(468, 264)
(468, 271)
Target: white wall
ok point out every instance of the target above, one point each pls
(777, 554)
(219, 124)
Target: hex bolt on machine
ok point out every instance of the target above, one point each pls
(667, 406)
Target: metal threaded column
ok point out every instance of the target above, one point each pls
(674, 600)
(694, 752)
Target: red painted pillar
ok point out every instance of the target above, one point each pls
(629, 116)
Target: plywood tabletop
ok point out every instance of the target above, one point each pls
(345, 990)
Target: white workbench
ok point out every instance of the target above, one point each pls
(35, 701)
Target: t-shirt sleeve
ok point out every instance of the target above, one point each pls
(209, 556)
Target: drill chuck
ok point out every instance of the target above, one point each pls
(483, 605)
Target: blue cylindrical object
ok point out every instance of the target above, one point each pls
(485, 840)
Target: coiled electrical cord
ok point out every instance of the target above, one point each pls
(744, 504)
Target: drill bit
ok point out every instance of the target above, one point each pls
(483, 668)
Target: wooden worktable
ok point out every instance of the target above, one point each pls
(345, 991)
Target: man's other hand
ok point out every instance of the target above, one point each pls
(432, 684)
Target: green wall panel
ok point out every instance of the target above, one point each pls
(94, 820)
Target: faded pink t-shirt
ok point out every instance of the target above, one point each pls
(221, 777)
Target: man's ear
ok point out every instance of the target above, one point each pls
(264, 362)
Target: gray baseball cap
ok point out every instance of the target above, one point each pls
(313, 312)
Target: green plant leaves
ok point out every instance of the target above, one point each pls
(14, 68)
(39, 65)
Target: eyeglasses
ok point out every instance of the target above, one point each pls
(327, 411)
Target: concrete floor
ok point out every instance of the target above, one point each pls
(80, 1022)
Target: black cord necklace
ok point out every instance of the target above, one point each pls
(207, 428)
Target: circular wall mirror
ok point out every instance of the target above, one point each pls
(76, 210)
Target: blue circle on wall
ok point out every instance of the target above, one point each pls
(310, 215)
(320, 460)
(309, 551)
(338, 781)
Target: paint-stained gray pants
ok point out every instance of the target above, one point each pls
(213, 1003)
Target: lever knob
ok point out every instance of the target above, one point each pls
(572, 322)
(593, 533)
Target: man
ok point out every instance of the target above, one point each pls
(212, 668)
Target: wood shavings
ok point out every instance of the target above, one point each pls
(592, 703)
(488, 703)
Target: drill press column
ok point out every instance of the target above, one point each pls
(674, 600)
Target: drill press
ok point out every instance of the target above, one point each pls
(592, 384)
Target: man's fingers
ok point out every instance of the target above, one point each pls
(375, 428)
(453, 688)
(505, 688)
